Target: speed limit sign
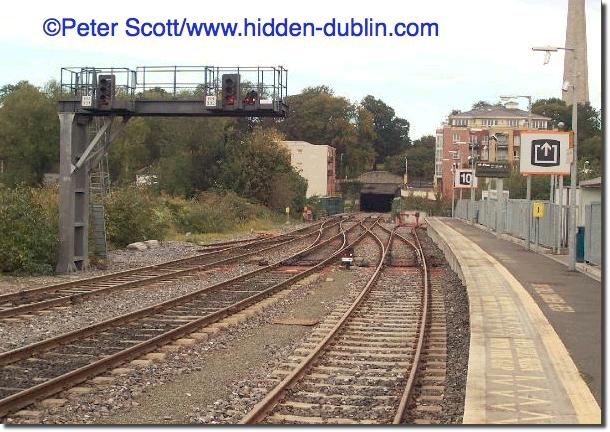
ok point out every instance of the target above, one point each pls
(464, 178)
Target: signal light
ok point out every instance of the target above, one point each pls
(251, 98)
(231, 91)
(105, 91)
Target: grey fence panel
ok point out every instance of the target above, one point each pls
(593, 233)
(512, 218)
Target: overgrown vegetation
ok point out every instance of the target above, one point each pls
(28, 230)
(136, 214)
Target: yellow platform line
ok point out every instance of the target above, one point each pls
(585, 406)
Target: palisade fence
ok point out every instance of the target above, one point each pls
(512, 216)
(593, 233)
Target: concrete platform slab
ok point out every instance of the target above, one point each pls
(519, 370)
(571, 301)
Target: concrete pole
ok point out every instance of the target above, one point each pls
(472, 188)
(499, 201)
(560, 225)
(574, 173)
(453, 202)
(528, 198)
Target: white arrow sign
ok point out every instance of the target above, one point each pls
(544, 153)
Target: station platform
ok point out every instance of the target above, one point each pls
(531, 322)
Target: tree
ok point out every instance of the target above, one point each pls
(589, 119)
(426, 141)
(29, 134)
(392, 132)
(317, 116)
(481, 105)
(420, 158)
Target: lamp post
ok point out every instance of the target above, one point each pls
(528, 196)
(574, 168)
(472, 189)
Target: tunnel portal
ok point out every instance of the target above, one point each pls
(374, 202)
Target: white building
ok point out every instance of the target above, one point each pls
(316, 163)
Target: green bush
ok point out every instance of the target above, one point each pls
(28, 230)
(216, 212)
(134, 214)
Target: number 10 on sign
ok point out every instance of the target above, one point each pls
(464, 179)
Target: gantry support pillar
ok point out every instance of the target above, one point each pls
(73, 194)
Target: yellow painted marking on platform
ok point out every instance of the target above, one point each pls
(516, 385)
(553, 300)
(585, 406)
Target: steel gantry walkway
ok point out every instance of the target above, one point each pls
(104, 99)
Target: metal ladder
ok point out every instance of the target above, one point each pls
(99, 184)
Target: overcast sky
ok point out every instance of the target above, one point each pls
(483, 49)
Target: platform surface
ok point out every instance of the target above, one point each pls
(519, 370)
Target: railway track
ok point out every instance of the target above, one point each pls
(37, 299)
(41, 369)
(361, 367)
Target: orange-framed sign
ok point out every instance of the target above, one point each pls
(545, 153)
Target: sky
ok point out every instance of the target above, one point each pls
(483, 49)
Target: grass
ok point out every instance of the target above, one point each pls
(258, 224)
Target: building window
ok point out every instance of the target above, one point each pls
(456, 137)
(513, 123)
(438, 171)
(490, 122)
(485, 153)
(455, 154)
(460, 122)
(501, 154)
(539, 124)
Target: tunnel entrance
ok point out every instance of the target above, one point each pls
(375, 202)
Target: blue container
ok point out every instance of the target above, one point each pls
(580, 244)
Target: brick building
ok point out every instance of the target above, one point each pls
(491, 134)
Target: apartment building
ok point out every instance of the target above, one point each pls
(490, 134)
(316, 163)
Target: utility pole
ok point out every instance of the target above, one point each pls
(528, 196)
(472, 188)
(574, 168)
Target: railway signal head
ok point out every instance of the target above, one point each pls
(105, 91)
(251, 99)
(230, 91)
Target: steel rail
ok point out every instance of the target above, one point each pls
(145, 279)
(261, 409)
(62, 285)
(402, 407)
(19, 353)
(29, 395)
